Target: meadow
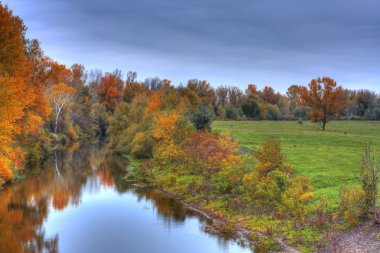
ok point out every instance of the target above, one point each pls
(330, 158)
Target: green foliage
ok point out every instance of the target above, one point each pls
(269, 111)
(232, 112)
(2, 182)
(38, 150)
(301, 111)
(203, 117)
(183, 129)
(142, 145)
(130, 130)
(251, 109)
(271, 184)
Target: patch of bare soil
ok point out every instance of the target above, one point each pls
(364, 238)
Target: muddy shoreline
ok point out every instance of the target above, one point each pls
(240, 233)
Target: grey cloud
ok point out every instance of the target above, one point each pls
(236, 41)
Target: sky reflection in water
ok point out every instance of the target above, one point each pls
(83, 205)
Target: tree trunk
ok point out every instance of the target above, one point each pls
(324, 125)
(324, 120)
(56, 120)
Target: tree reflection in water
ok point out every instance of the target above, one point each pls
(24, 206)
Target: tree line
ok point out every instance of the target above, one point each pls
(43, 102)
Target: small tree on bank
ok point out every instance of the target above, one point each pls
(60, 95)
(369, 177)
(324, 98)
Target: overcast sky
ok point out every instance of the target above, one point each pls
(229, 42)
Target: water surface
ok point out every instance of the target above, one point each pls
(79, 203)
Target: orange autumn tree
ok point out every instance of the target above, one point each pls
(324, 98)
(110, 91)
(164, 127)
(252, 92)
(12, 105)
(12, 56)
(60, 95)
(22, 107)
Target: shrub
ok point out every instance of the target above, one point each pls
(208, 152)
(369, 177)
(251, 109)
(289, 117)
(271, 185)
(269, 111)
(376, 114)
(323, 214)
(232, 112)
(352, 206)
(295, 198)
(142, 145)
(202, 118)
(301, 111)
(270, 158)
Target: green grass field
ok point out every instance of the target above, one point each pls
(331, 158)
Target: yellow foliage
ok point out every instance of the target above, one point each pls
(306, 196)
(165, 124)
(352, 205)
(73, 136)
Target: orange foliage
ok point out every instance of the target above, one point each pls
(60, 91)
(211, 151)
(5, 172)
(110, 91)
(324, 97)
(12, 57)
(268, 95)
(105, 177)
(153, 102)
(23, 104)
(14, 100)
(60, 199)
(252, 91)
(164, 130)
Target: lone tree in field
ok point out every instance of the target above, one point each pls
(60, 95)
(324, 98)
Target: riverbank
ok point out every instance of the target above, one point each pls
(223, 224)
(360, 239)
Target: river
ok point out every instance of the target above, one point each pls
(78, 202)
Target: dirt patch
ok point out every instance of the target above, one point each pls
(364, 238)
